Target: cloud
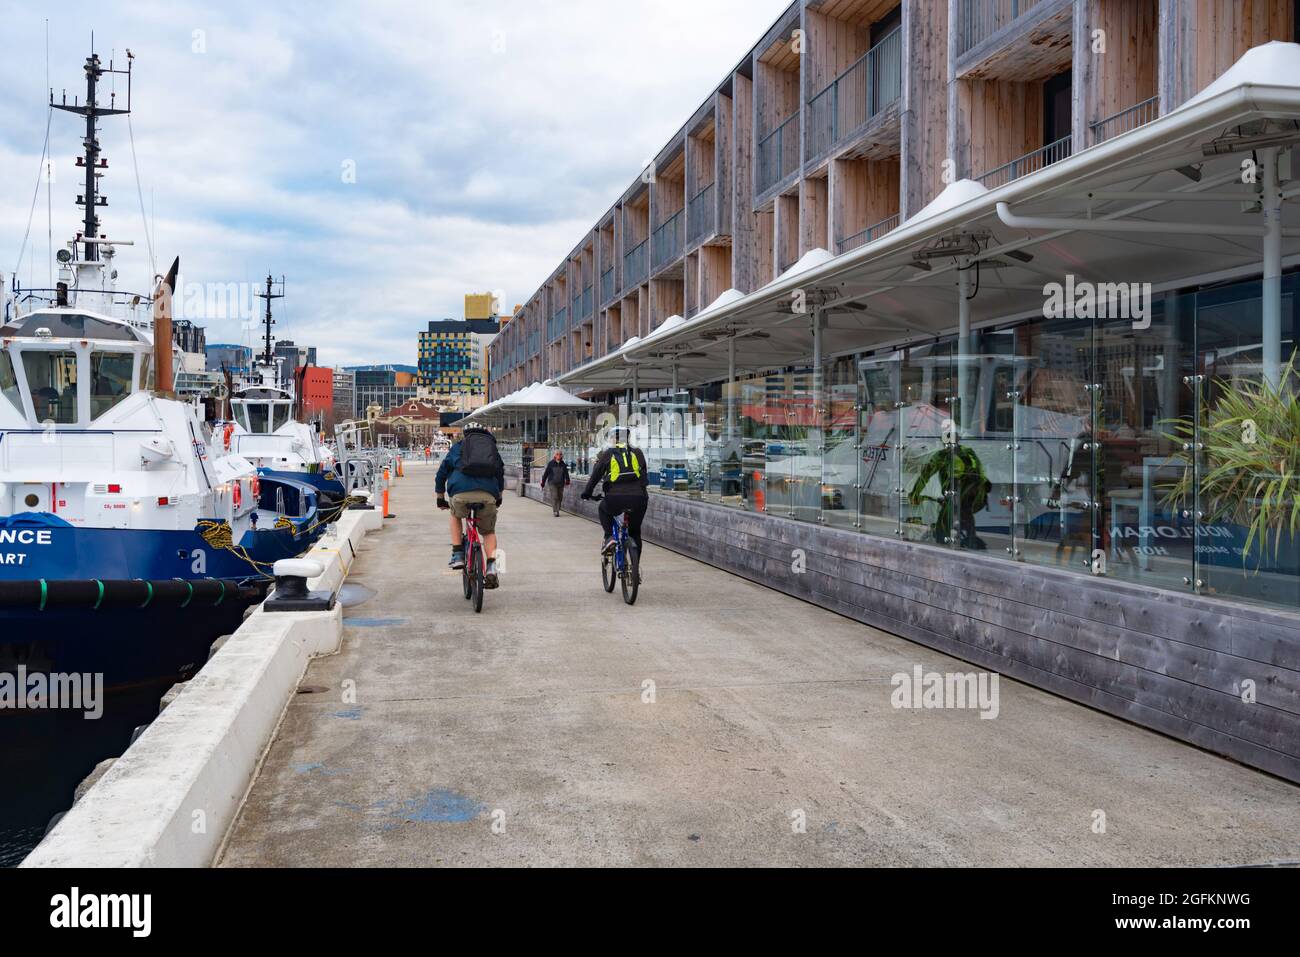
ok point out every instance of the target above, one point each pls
(485, 140)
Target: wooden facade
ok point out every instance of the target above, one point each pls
(877, 106)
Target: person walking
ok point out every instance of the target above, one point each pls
(554, 481)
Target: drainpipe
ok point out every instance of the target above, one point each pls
(1272, 290)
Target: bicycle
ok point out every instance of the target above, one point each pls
(474, 573)
(623, 565)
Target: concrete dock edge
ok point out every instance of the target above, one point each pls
(170, 799)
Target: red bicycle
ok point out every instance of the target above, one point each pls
(474, 574)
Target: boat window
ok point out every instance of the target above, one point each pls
(257, 413)
(110, 380)
(280, 415)
(52, 381)
(9, 381)
(146, 372)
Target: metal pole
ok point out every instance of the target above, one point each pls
(1271, 312)
(731, 388)
(963, 347)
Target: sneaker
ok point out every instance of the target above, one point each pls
(457, 559)
(608, 547)
(490, 576)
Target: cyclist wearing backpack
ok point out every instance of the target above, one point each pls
(473, 473)
(621, 469)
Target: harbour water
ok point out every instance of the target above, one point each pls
(52, 752)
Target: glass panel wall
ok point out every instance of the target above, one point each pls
(1159, 446)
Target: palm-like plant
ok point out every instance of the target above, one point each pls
(1250, 470)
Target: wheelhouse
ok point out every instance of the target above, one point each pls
(67, 369)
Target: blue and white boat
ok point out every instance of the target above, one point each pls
(128, 541)
(265, 427)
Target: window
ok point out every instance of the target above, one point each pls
(9, 381)
(110, 380)
(52, 381)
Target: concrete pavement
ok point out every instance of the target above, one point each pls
(715, 722)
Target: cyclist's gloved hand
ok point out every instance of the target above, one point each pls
(498, 501)
(442, 503)
(585, 496)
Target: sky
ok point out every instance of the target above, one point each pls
(386, 158)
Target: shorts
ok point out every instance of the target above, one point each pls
(487, 515)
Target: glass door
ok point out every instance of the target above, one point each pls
(881, 444)
(841, 455)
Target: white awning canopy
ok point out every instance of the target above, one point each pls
(535, 398)
(1164, 204)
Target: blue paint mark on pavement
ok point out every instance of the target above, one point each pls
(439, 806)
(352, 714)
(374, 622)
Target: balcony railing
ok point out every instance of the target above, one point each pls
(635, 265)
(1029, 163)
(856, 96)
(559, 323)
(868, 235)
(668, 241)
(977, 20)
(701, 216)
(607, 286)
(1138, 115)
(778, 155)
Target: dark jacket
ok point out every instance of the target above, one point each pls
(600, 473)
(557, 473)
(453, 481)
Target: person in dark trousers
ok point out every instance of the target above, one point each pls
(472, 474)
(621, 470)
(554, 481)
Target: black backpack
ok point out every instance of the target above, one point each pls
(479, 456)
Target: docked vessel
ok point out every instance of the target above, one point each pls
(128, 541)
(264, 425)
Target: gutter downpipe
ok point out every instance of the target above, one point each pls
(1271, 292)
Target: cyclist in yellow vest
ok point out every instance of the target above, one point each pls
(621, 470)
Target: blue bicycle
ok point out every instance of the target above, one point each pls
(623, 565)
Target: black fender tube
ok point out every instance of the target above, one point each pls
(191, 594)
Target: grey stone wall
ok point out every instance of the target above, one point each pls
(1174, 663)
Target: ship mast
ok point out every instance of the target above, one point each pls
(91, 160)
(268, 356)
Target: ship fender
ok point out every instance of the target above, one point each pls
(95, 595)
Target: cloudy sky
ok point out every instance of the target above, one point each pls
(385, 157)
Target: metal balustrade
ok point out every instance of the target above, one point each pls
(636, 265)
(701, 216)
(868, 235)
(856, 96)
(1140, 114)
(668, 241)
(778, 155)
(977, 20)
(1029, 163)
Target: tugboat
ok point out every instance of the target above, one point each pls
(266, 429)
(128, 544)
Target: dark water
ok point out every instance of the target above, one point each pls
(44, 755)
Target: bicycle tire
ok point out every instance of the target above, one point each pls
(631, 577)
(478, 592)
(608, 573)
(466, 578)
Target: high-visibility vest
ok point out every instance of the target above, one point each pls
(625, 463)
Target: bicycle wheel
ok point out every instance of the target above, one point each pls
(608, 573)
(631, 577)
(480, 571)
(466, 575)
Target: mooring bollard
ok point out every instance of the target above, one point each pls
(291, 592)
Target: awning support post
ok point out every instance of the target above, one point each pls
(963, 347)
(731, 387)
(1271, 299)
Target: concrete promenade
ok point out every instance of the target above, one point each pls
(716, 722)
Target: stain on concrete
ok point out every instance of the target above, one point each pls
(374, 622)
